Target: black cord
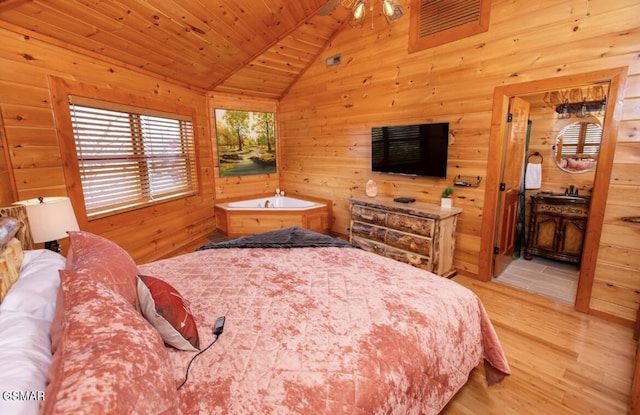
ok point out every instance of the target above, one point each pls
(186, 375)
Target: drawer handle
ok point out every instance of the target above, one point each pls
(632, 219)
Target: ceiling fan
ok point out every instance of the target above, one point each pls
(329, 7)
(390, 9)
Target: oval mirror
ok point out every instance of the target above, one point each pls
(577, 146)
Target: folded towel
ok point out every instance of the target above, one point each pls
(533, 176)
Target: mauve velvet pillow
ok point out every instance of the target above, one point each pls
(109, 359)
(163, 306)
(104, 261)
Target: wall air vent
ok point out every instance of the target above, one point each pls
(435, 22)
(333, 60)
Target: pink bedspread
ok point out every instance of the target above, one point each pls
(326, 331)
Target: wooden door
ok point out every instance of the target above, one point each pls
(511, 173)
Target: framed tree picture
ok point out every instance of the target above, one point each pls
(246, 142)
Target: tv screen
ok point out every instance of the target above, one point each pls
(416, 150)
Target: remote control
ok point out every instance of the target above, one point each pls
(404, 199)
(219, 327)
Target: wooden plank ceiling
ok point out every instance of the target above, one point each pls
(253, 47)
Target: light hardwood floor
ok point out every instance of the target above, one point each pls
(562, 361)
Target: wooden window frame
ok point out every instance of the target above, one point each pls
(62, 90)
(417, 43)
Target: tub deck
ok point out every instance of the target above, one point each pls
(239, 222)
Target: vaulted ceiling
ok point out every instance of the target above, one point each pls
(255, 47)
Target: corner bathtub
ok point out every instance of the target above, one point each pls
(246, 217)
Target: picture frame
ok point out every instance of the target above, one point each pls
(246, 142)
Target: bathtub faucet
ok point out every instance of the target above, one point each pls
(266, 204)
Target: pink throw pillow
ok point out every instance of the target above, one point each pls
(104, 261)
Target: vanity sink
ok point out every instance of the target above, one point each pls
(560, 198)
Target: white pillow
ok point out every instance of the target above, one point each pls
(25, 357)
(36, 290)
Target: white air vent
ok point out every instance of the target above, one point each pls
(333, 60)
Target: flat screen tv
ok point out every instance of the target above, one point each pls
(415, 150)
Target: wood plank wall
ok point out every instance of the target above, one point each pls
(325, 121)
(26, 64)
(327, 116)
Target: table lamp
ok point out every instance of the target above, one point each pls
(49, 219)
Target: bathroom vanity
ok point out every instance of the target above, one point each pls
(557, 226)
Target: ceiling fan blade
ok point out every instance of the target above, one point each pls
(328, 8)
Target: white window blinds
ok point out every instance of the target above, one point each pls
(129, 157)
(581, 139)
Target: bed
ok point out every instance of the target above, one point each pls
(312, 326)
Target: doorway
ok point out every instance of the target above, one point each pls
(497, 148)
(557, 154)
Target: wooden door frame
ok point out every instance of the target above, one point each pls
(616, 78)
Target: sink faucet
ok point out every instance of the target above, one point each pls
(266, 204)
(571, 191)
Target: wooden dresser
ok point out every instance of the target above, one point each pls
(420, 234)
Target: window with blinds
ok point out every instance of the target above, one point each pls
(580, 140)
(129, 157)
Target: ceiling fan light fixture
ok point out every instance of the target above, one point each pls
(390, 9)
(359, 10)
(397, 11)
(358, 13)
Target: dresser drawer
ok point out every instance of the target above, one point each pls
(366, 230)
(409, 242)
(382, 249)
(369, 245)
(411, 258)
(369, 215)
(411, 224)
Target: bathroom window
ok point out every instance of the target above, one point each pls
(577, 146)
(129, 157)
(580, 139)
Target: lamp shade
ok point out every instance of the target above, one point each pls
(50, 218)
